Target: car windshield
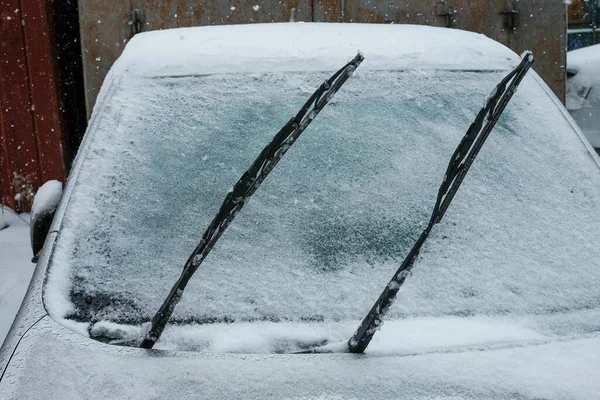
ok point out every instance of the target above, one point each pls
(311, 251)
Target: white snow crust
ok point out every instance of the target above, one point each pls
(15, 266)
(322, 237)
(47, 198)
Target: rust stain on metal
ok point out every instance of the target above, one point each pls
(478, 16)
(182, 13)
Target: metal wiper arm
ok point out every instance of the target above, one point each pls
(459, 165)
(243, 189)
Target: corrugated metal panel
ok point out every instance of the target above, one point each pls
(30, 130)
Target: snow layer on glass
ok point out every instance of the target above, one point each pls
(324, 233)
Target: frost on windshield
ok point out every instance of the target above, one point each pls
(330, 225)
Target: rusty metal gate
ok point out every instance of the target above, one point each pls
(537, 25)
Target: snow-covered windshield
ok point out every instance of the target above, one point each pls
(330, 225)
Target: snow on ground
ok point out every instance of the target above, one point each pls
(15, 266)
(409, 336)
(584, 59)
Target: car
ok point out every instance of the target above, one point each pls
(499, 299)
(583, 91)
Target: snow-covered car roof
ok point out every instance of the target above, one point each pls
(58, 365)
(301, 46)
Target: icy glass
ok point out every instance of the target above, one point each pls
(329, 226)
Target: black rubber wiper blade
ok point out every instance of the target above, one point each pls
(459, 165)
(243, 190)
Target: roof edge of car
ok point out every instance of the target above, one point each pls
(310, 46)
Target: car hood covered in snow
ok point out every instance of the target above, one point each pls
(55, 363)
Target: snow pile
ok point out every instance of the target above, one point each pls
(410, 336)
(583, 91)
(554, 370)
(15, 266)
(47, 198)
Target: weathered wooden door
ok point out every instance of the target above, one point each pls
(30, 131)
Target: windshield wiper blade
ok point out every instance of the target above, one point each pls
(243, 189)
(459, 165)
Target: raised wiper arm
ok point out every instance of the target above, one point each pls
(459, 165)
(243, 189)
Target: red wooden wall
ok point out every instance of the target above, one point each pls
(31, 134)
